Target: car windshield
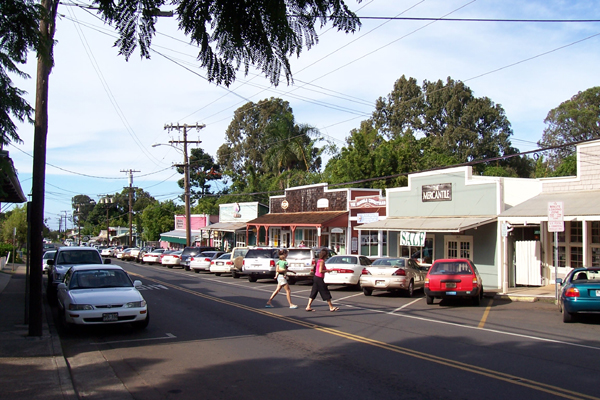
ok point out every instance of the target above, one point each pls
(79, 257)
(389, 262)
(342, 260)
(48, 255)
(99, 278)
(450, 268)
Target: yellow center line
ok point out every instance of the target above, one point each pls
(485, 314)
(513, 379)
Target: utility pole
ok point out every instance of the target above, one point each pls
(186, 171)
(107, 200)
(66, 223)
(131, 188)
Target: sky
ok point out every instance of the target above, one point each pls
(105, 113)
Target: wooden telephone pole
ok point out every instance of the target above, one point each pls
(131, 188)
(186, 171)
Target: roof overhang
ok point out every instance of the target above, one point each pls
(428, 224)
(225, 226)
(317, 219)
(10, 188)
(178, 236)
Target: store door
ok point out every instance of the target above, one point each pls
(456, 246)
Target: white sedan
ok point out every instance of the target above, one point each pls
(107, 252)
(152, 257)
(172, 259)
(221, 265)
(345, 270)
(49, 255)
(201, 261)
(93, 294)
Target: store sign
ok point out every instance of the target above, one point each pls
(365, 218)
(439, 192)
(337, 230)
(416, 239)
(368, 202)
(236, 211)
(179, 223)
(285, 204)
(323, 203)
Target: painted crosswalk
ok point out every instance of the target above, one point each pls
(152, 287)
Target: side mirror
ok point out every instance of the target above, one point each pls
(107, 261)
(559, 281)
(137, 283)
(50, 261)
(62, 286)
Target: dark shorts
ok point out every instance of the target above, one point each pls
(320, 287)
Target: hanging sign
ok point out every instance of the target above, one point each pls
(415, 239)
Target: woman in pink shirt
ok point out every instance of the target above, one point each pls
(319, 285)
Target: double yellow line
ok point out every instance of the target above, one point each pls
(542, 387)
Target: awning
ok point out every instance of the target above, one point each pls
(318, 218)
(10, 188)
(178, 236)
(577, 204)
(427, 224)
(225, 226)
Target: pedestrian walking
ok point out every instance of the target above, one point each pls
(319, 285)
(281, 271)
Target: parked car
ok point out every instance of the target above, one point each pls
(153, 257)
(346, 269)
(579, 293)
(453, 278)
(393, 274)
(65, 258)
(164, 254)
(101, 294)
(171, 259)
(221, 264)
(237, 256)
(259, 263)
(143, 251)
(117, 250)
(48, 247)
(201, 261)
(47, 256)
(303, 261)
(131, 254)
(189, 252)
(122, 255)
(107, 252)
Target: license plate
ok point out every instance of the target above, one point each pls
(110, 317)
(450, 285)
(379, 283)
(597, 293)
(451, 293)
(219, 263)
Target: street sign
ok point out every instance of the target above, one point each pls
(556, 221)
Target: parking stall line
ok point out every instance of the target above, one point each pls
(485, 314)
(406, 305)
(474, 369)
(349, 297)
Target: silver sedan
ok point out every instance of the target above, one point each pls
(393, 274)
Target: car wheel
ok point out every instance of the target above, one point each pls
(567, 316)
(367, 291)
(67, 326)
(169, 266)
(291, 281)
(196, 270)
(477, 300)
(235, 275)
(187, 267)
(251, 278)
(429, 299)
(142, 324)
(217, 274)
(411, 289)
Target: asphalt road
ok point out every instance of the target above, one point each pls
(211, 338)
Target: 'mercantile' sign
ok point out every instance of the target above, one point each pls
(439, 192)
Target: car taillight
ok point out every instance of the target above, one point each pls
(212, 263)
(207, 260)
(314, 263)
(272, 263)
(229, 263)
(475, 281)
(343, 271)
(399, 272)
(191, 258)
(176, 257)
(426, 283)
(572, 292)
(243, 262)
(365, 272)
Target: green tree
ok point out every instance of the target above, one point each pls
(458, 126)
(158, 218)
(203, 171)
(232, 34)
(573, 120)
(15, 219)
(19, 33)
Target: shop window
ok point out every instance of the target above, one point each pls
(369, 243)
(595, 257)
(576, 257)
(596, 232)
(576, 232)
(562, 259)
(240, 240)
(338, 243)
(458, 246)
(422, 255)
(309, 236)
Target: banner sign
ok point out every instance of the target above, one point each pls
(415, 239)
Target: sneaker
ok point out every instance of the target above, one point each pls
(294, 306)
(269, 306)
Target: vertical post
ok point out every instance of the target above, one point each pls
(186, 178)
(555, 265)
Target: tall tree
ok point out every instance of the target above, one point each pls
(203, 170)
(158, 218)
(573, 120)
(16, 221)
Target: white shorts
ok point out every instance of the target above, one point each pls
(282, 280)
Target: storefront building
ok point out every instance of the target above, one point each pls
(450, 214)
(311, 216)
(230, 231)
(530, 246)
(176, 239)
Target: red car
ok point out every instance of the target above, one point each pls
(453, 278)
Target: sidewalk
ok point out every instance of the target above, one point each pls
(30, 367)
(530, 294)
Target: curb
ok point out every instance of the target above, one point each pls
(525, 298)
